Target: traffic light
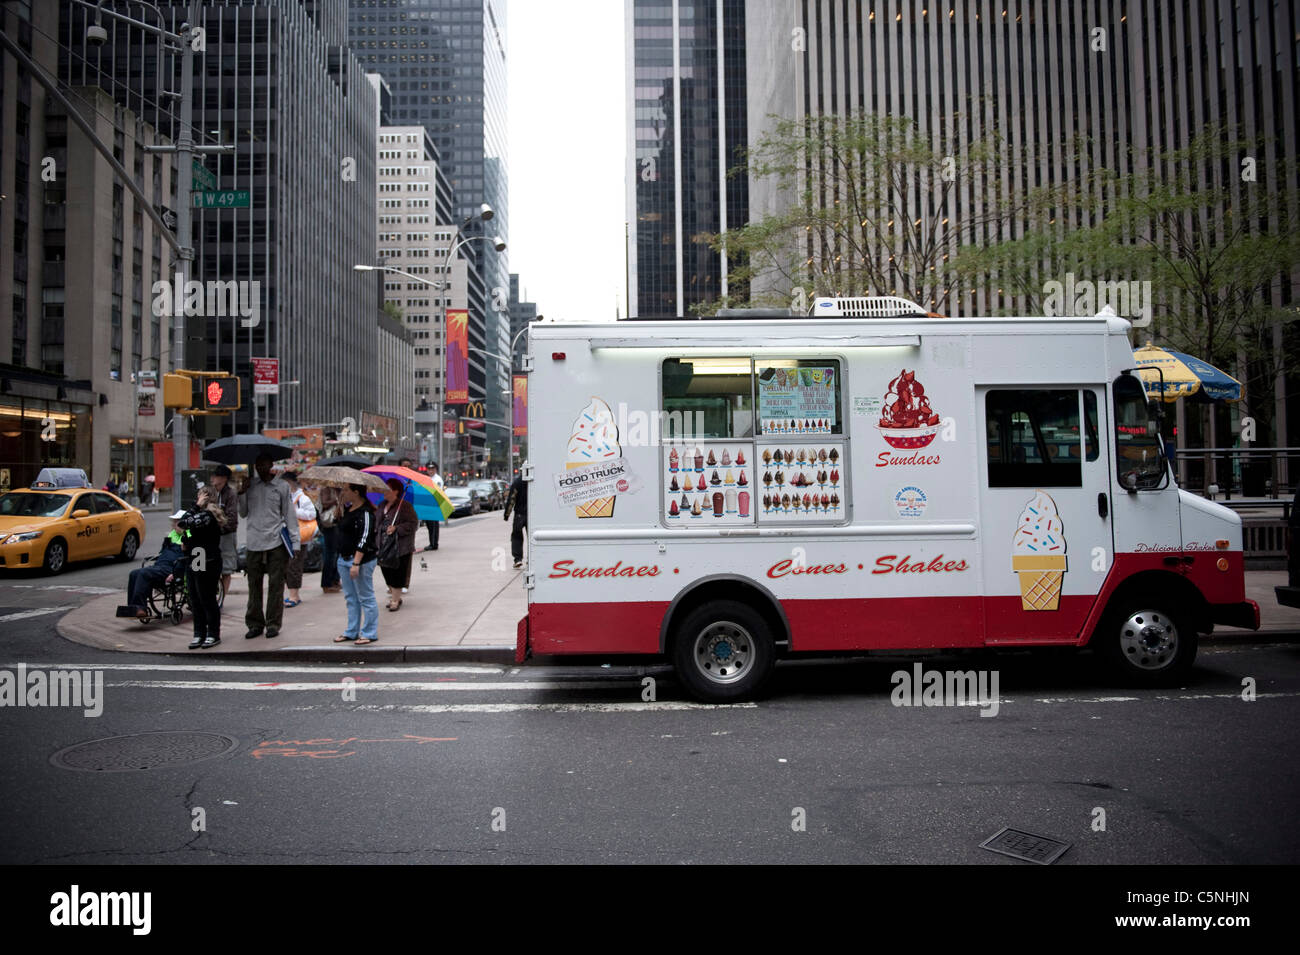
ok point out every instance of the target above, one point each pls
(217, 392)
(201, 392)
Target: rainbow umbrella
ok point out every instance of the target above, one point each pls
(429, 501)
(1183, 375)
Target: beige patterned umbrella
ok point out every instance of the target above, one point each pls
(341, 476)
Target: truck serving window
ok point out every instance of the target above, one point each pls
(1139, 462)
(1033, 438)
(707, 398)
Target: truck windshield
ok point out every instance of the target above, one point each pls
(1139, 461)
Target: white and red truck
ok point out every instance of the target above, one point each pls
(726, 491)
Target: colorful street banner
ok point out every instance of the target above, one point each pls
(457, 371)
(520, 414)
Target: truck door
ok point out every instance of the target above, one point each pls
(1148, 523)
(1045, 521)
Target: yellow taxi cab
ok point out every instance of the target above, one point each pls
(52, 523)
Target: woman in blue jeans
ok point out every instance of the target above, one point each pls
(356, 565)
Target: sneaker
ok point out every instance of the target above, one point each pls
(519, 563)
(405, 591)
(211, 642)
(196, 643)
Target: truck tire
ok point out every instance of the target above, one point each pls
(723, 652)
(1147, 642)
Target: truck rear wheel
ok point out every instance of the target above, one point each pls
(723, 652)
(1148, 643)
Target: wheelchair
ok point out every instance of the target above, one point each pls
(171, 600)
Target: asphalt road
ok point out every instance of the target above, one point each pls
(495, 764)
(416, 763)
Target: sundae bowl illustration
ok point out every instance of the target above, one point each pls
(907, 421)
(1038, 554)
(594, 439)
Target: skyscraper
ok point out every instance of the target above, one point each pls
(445, 62)
(275, 81)
(687, 122)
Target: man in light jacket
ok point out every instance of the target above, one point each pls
(266, 505)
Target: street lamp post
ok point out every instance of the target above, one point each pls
(484, 214)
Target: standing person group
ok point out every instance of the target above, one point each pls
(356, 566)
(305, 511)
(201, 526)
(267, 505)
(395, 542)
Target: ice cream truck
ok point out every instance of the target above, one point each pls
(727, 491)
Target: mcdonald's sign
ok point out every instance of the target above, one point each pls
(474, 409)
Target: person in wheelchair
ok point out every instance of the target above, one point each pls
(166, 566)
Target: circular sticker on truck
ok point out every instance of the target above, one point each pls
(910, 502)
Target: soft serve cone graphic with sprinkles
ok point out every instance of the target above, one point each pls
(594, 439)
(1038, 554)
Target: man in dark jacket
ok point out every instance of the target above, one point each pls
(143, 580)
(517, 501)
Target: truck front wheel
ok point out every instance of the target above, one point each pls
(723, 652)
(1148, 643)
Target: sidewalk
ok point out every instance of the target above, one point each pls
(459, 608)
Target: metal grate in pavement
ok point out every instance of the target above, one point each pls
(1026, 846)
(143, 751)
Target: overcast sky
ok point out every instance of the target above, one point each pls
(568, 132)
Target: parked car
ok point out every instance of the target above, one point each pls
(1288, 595)
(489, 494)
(51, 525)
(465, 499)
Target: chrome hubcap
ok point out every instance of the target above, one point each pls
(1148, 640)
(723, 652)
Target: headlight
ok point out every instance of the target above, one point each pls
(17, 538)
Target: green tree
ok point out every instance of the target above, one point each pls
(870, 207)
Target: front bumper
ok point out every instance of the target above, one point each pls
(1244, 614)
(23, 554)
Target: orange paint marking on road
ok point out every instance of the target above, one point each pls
(333, 748)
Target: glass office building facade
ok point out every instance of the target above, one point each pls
(687, 127)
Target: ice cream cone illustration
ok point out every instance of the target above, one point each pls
(1038, 554)
(594, 439)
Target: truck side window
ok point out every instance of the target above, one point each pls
(1033, 438)
(1091, 438)
(1139, 462)
(707, 398)
(798, 396)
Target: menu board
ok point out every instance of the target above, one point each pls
(798, 400)
(804, 484)
(708, 483)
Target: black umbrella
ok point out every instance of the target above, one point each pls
(245, 449)
(346, 461)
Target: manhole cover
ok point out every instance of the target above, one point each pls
(1026, 846)
(125, 754)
